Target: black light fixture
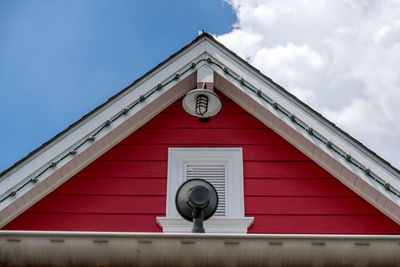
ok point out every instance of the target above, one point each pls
(202, 103)
(196, 200)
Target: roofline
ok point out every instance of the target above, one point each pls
(25, 233)
(204, 35)
(154, 249)
(15, 165)
(325, 120)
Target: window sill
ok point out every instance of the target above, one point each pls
(213, 225)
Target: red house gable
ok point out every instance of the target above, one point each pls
(110, 170)
(125, 189)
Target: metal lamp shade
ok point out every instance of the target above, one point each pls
(201, 103)
(183, 205)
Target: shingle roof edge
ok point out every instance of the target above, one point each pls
(3, 173)
(203, 35)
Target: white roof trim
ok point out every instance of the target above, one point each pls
(27, 248)
(348, 174)
(110, 136)
(202, 48)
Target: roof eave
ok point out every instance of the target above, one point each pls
(28, 248)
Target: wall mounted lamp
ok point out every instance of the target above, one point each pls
(196, 200)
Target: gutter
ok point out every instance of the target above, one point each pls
(38, 248)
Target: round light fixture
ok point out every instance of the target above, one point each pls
(201, 103)
(196, 200)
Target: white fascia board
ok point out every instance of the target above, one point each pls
(371, 191)
(378, 167)
(27, 248)
(379, 197)
(293, 105)
(74, 136)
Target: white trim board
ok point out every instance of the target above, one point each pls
(234, 220)
(178, 158)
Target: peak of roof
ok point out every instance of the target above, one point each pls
(240, 81)
(201, 36)
(32, 153)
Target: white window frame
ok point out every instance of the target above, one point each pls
(234, 220)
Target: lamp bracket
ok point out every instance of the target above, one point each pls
(205, 75)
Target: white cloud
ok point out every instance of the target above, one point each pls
(303, 94)
(340, 57)
(298, 62)
(245, 44)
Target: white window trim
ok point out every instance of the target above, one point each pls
(234, 220)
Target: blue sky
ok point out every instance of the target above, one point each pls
(61, 59)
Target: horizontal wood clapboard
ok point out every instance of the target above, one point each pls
(125, 189)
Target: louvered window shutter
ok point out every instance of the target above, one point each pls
(213, 173)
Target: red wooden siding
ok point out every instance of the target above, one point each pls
(125, 189)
